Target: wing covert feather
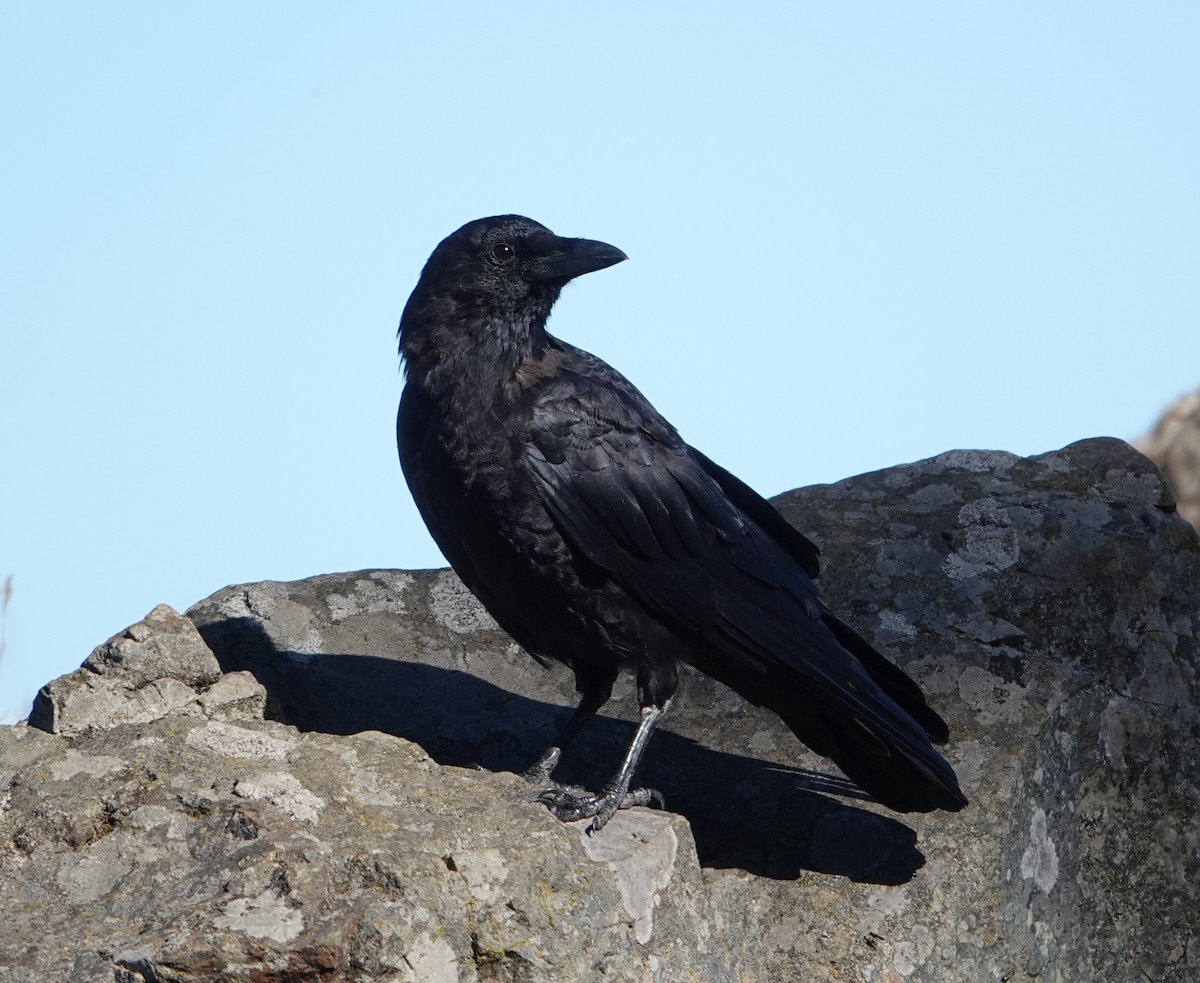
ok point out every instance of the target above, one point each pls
(698, 547)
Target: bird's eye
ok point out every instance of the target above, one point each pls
(502, 252)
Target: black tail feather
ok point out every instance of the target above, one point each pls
(891, 679)
(902, 776)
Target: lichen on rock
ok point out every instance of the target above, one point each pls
(313, 780)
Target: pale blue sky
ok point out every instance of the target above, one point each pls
(858, 236)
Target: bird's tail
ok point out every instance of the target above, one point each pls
(891, 757)
(903, 778)
(893, 680)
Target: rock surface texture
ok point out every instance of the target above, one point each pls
(1174, 445)
(311, 780)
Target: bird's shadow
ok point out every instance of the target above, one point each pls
(744, 812)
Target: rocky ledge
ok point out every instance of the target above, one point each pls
(312, 780)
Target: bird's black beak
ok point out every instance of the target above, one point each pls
(565, 259)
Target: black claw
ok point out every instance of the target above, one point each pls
(570, 805)
(556, 796)
(644, 797)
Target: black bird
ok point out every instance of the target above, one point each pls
(596, 537)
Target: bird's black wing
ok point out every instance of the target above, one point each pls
(764, 515)
(633, 498)
(702, 551)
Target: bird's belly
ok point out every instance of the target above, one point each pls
(554, 605)
(501, 541)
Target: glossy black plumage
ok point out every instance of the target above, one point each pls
(596, 537)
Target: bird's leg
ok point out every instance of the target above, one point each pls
(616, 794)
(594, 693)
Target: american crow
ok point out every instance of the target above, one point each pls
(596, 537)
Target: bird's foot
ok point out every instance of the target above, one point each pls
(538, 773)
(569, 805)
(572, 803)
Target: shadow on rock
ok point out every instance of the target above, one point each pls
(744, 812)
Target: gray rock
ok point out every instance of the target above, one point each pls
(1174, 445)
(195, 849)
(155, 668)
(1048, 606)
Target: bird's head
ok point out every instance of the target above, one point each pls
(489, 287)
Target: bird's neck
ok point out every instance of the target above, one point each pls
(471, 362)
